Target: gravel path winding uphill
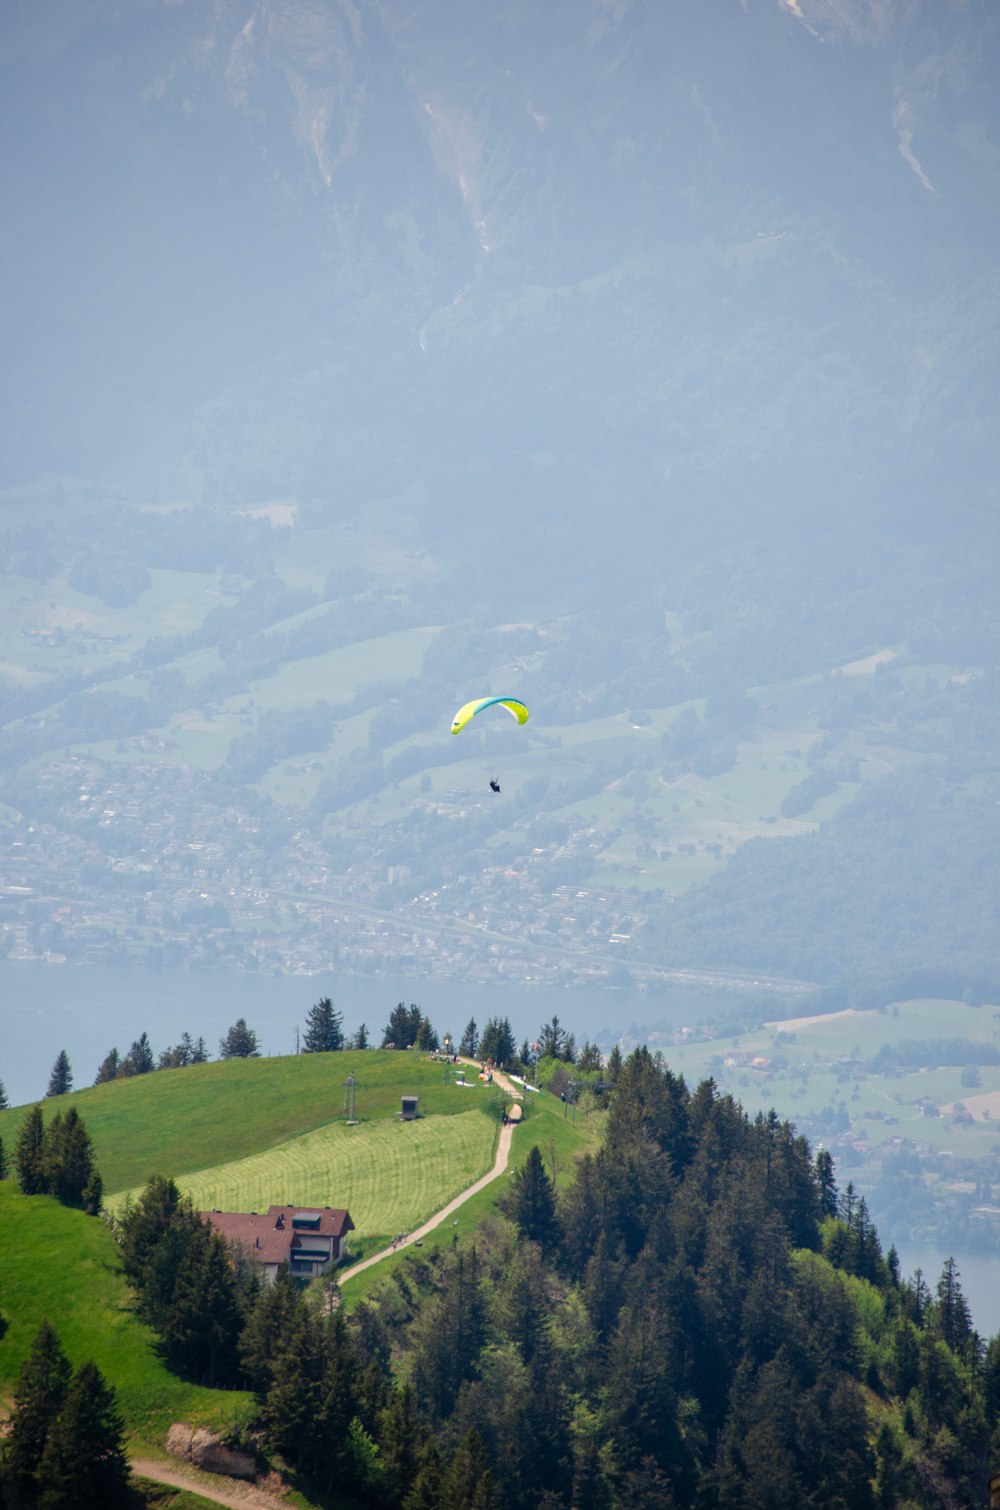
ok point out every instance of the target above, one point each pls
(499, 1165)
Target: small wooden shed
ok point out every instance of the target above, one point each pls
(410, 1109)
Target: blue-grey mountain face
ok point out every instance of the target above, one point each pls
(588, 265)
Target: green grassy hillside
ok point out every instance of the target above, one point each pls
(390, 1175)
(176, 1122)
(62, 1265)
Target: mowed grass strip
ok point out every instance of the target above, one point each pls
(389, 1175)
(58, 1264)
(173, 1122)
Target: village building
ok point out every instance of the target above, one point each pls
(309, 1241)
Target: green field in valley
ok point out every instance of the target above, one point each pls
(802, 1066)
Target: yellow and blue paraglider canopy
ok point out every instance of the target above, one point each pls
(468, 711)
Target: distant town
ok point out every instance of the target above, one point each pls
(135, 866)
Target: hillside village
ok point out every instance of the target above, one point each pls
(134, 865)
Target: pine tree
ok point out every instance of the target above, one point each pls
(531, 1203)
(67, 1158)
(470, 1040)
(139, 1059)
(360, 1039)
(240, 1042)
(145, 1226)
(84, 1461)
(826, 1183)
(468, 1483)
(93, 1195)
(199, 1054)
(61, 1079)
(109, 1068)
(272, 1318)
(38, 1397)
(3, 1161)
(399, 1437)
(202, 1322)
(323, 1033)
(28, 1153)
(552, 1040)
(401, 1030)
(3, 1098)
(427, 1040)
(952, 1314)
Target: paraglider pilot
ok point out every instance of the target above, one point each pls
(494, 785)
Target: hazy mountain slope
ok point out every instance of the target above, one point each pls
(670, 251)
(669, 331)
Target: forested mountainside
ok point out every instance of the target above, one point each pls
(695, 1316)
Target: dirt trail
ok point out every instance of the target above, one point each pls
(499, 1165)
(211, 1486)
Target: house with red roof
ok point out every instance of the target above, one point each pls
(309, 1241)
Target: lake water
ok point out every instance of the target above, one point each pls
(88, 1010)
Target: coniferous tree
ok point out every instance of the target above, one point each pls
(240, 1042)
(399, 1438)
(84, 1461)
(323, 1033)
(531, 1203)
(467, 1483)
(3, 1161)
(497, 1041)
(67, 1158)
(145, 1225)
(952, 1315)
(61, 1079)
(199, 1054)
(3, 1098)
(552, 1040)
(109, 1068)
(38, 1398)
(401, 1030)
(427, 1040)
(470, 1040)
(179, 1055)
(360, 1039)
(139, 1059)
(28, 1153)
(271, 1319)
(202, 1320)
(93, 1194)
(589, 1057)
(826, 1183)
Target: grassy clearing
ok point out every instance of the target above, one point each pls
(176, 1122)
(389, 1175)
(63, 1265)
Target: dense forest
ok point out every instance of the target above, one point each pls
(700, 1318)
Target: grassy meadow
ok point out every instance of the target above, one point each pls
(389, 1175)
(62, 1265)
(178, 1122)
